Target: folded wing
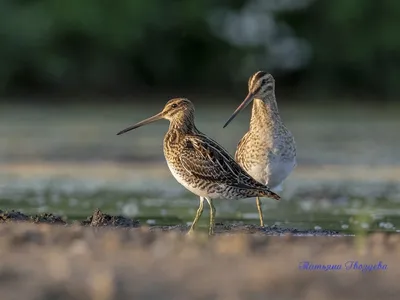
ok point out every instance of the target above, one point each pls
(207, 160)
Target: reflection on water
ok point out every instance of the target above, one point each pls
(69, 161)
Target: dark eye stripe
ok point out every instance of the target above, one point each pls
(259, 75)
(257, 90)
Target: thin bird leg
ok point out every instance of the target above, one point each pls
(212, 216)
(198, 215)
(260, 213)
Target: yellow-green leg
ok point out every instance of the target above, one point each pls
(212, 216)
(260, 213)
(198, 215)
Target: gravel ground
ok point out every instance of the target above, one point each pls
(113, 258)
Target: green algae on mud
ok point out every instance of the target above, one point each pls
(302, 212)
(333, 198)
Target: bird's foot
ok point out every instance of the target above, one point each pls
(190, 232)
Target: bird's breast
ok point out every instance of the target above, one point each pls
(266, 162)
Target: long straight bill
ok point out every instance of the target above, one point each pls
(242, 106)
(152, 119)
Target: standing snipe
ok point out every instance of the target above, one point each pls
(267, 151)
(200, 164)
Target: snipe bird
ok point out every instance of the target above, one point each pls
(200, 164)
(268, 150)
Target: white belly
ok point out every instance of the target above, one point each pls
(274, 172)
(278, 171)
(194, 190)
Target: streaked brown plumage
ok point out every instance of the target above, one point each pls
(199, 163)
(268, 150)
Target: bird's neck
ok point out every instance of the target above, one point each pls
(179, 128)
(264, 114)
(184, 124)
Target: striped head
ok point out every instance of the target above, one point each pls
(178, 108)
(180, 111)
(261, 86)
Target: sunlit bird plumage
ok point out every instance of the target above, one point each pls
(268, 150)
(199, 163)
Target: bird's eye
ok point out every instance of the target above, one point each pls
(174, 105)
(269, 87)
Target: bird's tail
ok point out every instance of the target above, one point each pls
(269, 194)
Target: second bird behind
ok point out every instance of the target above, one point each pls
(268, 150)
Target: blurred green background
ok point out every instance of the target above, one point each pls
(319, 46)
(73, 73)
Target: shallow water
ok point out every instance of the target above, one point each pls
(68, 160)
(148, 192)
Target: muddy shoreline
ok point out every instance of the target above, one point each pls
(100, 219)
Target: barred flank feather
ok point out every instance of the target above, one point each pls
(270, 194)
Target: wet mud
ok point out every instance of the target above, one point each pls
(100, 219)
(97, 219)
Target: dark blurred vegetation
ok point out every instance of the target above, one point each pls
(78, 46)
